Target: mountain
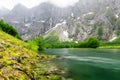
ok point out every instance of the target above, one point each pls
(86, 18)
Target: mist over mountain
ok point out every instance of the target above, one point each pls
(3, 11)
(86, 18)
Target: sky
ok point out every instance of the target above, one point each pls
(31, 3)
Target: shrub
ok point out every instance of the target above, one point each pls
(82, 44)
(40, 42)
(93, 42)
(9, 29)
(32, 45)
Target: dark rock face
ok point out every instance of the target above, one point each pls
(86, 18)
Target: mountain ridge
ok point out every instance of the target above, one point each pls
(98, 18)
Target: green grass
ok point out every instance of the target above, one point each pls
(32, 45)
(112, 45)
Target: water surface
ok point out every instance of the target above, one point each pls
(89, 64)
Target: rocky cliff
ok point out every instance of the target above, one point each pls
(86, 18)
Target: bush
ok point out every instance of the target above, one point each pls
(82, 44)
(9, 29)
(40, 42)
(37, 44)
(32, 45)
(92, 42)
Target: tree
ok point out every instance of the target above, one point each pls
(93, 42)
(40, 43)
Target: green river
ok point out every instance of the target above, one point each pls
(88, 64)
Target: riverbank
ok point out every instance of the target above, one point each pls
(19, 63)
(109, 47)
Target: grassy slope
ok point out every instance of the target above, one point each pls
(19, 63)
(109, 47)
(112, 45)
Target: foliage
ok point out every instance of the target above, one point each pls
(9, 29)
(40, 43)
(100, 31)
(112, 45)
(113, 20)
(63, 45)
(51, 42)
(118, 27)
(82, 44)
(92, 42)
(37, 44)
(116, 42)
(52, 39)
(32, 45)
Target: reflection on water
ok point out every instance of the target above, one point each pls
(89, 64)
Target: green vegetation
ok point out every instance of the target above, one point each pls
(92, 42)
(114, 44)
(32, 45)
(37, 44)
(19, 63)
(118, 27)
(100, 32)
(40, 43)
(62, 45)
(53, 42)
(52, 39)
(9, 29)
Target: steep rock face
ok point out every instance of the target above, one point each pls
(86, 18)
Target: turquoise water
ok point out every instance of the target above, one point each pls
(88, 64)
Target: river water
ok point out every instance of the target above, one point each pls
(88, 64)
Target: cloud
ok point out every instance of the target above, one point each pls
(7, 3)
(31, 3)
(63, 3)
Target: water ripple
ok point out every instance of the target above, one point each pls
(93, 59)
